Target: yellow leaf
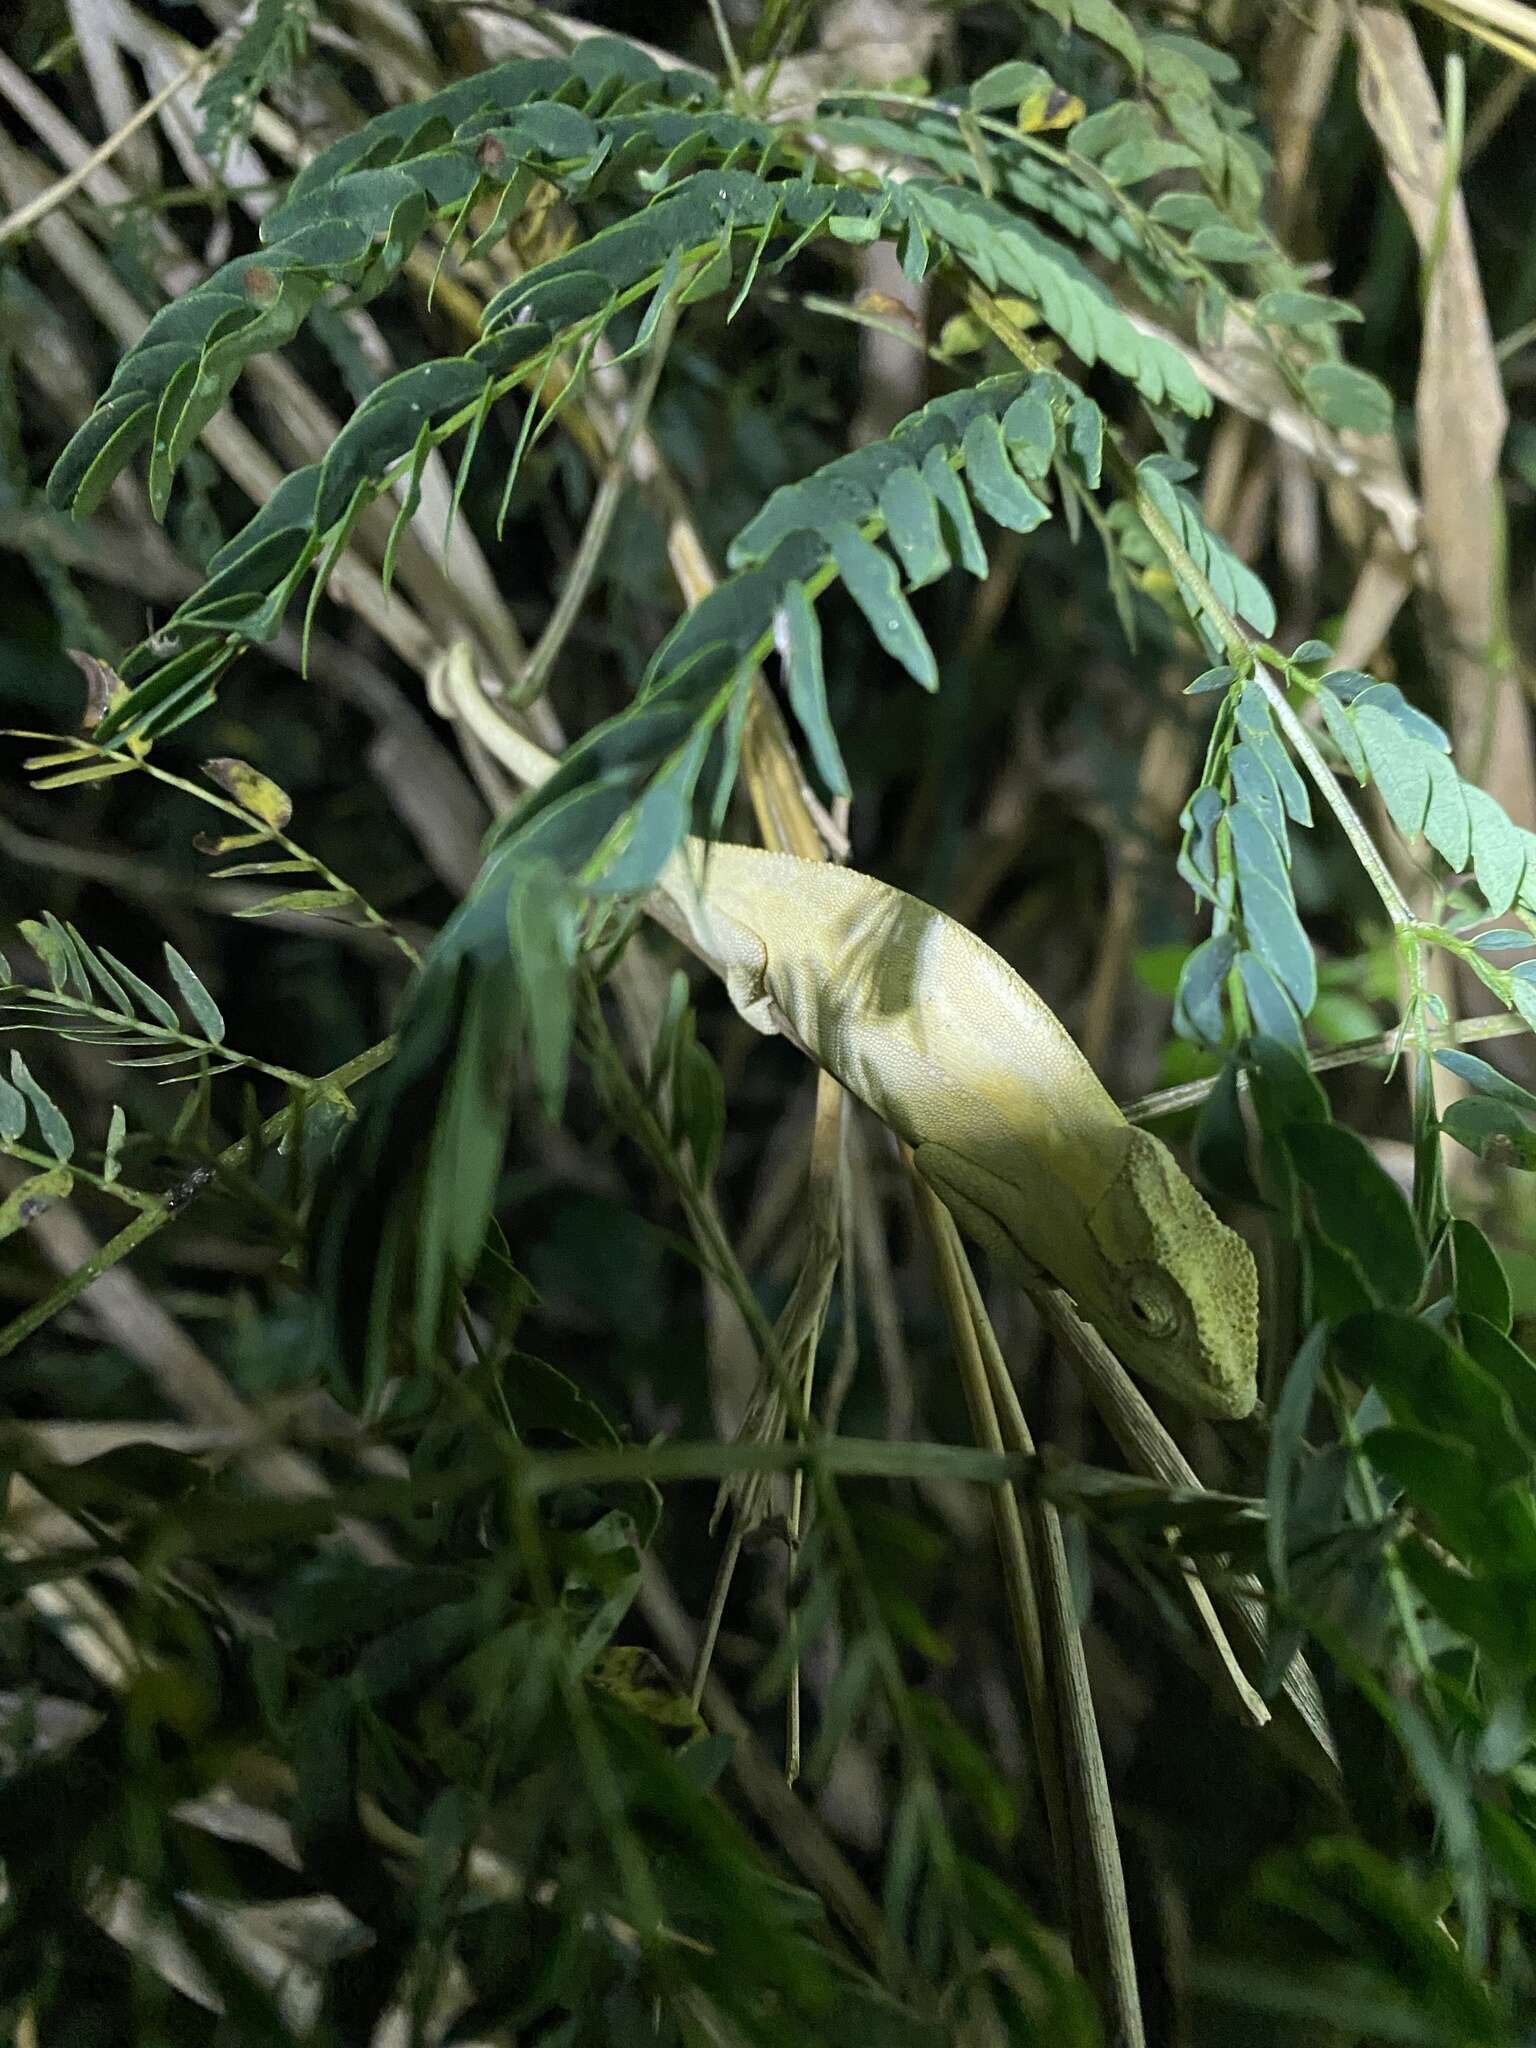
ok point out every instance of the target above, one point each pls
(882, 306)
(232, 842)
(1054, 109)
(97, 771)
(638, 1679)
(103, 686)
(251, 790)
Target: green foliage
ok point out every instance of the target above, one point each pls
(362, 1711)
(270, 45)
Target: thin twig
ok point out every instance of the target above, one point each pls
(1149, 1449)
(26, 216)
(178, 1199)
(728, 50)
(1162, 1102)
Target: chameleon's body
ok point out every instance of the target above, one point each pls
(1008, 1123)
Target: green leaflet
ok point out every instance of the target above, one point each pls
(996, 486)
(1197, 855)
(851, 487)
(271, 44)
(797, 634)
(1101, 18)
(1429, 1385)
(1124, 139)
(1447, 823)
(1256, 787)
(1029, 430)
(1493, 1132)
(870, 579)
(1269, 909)
(1303, 309)
(1499, 849)
(198, 1000)
(1350, 398)
(1236, 856)
(1359, 1208)
(911, 516)
(13, 1111)
(1270, 1009)
(51, 1121)
(1342, 732)
(1062, 195)
(1485, 1304)
(1202, 981)
(1233, 581)
(1379, 732)
(1257, 727)
(1006, 84)
(1004, 251)
(949, 495)
(1485, 1078)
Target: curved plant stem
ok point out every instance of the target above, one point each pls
(1146, 1109)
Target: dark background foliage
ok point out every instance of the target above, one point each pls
(345, 1677)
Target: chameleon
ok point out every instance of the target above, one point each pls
(1007, 1122)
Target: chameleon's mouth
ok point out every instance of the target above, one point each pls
(1225, 1400)
(1198, 1382)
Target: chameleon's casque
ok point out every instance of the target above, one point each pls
(1183, 1308)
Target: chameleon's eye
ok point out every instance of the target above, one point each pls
(1151, 1306)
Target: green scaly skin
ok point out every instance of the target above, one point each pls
(1008, 1123)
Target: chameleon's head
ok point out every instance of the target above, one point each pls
(1179, 1301)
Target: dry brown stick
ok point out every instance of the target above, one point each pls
(26, 216)
(1462, 418)
(1300, 60)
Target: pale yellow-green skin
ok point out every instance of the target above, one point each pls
(1008, 1123)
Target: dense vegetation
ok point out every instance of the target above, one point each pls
(522, 1522)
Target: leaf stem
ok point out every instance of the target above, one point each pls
(141, 1027)
(24, 1155)
(177, 1199)
(1163, 1102)
(1382, 879)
